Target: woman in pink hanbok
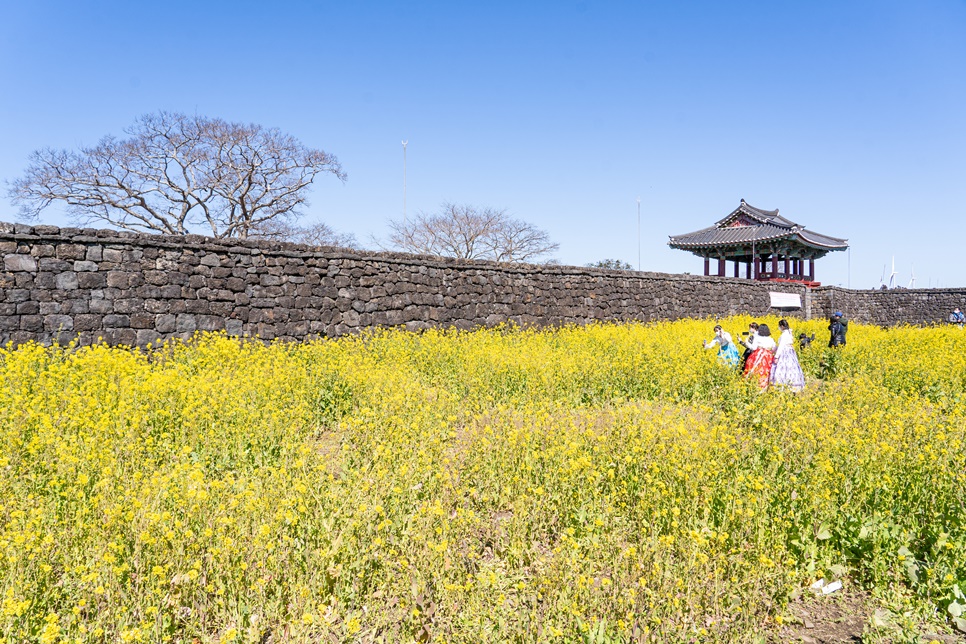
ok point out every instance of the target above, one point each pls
(785, 369)
(758, 366)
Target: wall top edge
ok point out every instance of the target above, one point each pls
(892, 291)
(45, 233)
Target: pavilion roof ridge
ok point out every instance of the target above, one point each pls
(758, 214)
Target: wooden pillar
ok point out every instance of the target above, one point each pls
(721, 267)
(787, 267)
(811, 270)
(748, 269)
(774, 264)
(757, 265)
(736, 268)
(707, 265)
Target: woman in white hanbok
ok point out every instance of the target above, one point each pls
(785, 369)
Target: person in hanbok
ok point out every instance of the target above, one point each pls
(727, 351)
(785, 369)
(758, 366)
(748, 343)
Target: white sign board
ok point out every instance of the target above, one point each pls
(785, 300)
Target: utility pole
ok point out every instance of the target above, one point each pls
(404, 144)
(638, 234)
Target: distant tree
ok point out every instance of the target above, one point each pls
(467, 232)
(318, 234)
(175, 171)
(612, 264)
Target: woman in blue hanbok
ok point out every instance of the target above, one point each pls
(727, 351)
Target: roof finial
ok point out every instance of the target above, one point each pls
(742, 201)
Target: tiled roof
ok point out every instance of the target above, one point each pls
(747, 224)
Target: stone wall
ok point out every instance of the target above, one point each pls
(66, 283)
(889, 307)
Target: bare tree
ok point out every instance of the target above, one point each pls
(318, 234)
(466, 232)
(612, 264)
(174, 172)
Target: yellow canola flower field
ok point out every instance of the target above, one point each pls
(609, 483)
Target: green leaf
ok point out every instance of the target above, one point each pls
(905, 552)
(823, 533)
(880, 619)
(955, 609)
(957, 593)
(960, 623)
(913, 573)
(941, 541)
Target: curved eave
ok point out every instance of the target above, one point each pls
(727, 237)
(799, 236)
(822, 241)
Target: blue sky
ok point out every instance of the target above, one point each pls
(849, 117)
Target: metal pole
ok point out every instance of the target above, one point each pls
(638, 234)
(404, 143)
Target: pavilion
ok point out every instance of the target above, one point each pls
(771, 247)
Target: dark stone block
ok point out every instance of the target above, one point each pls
(142, 320)
(91, 280)
(31, 322)
(165, 323)
(197, 306)
(186, 323)
(58, 322)
(87, 322)
(71, 251)
(177, 277)
(210, 323)
(114, 320)
(145, 337)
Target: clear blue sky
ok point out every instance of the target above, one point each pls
(848, 116)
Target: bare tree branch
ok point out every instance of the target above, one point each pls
(318, 234)
(465, 232)
(174, 172)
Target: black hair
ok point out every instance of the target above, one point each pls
(763, 330)
(753, 325)
(782, 324)
(717, 327)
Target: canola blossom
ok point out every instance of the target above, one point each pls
(608, 483)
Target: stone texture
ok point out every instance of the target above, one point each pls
(14, 262)
(130, 288)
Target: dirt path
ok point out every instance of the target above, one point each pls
(846, 618)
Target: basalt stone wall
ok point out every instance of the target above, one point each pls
(889, 307)
(67, 283)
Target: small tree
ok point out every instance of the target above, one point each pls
(612, 264)
(318, 234)
(467, 232)
(175, 171)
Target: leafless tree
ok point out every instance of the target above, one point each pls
(318, 234)
(612, 264)
(467, 232)
(174, 172)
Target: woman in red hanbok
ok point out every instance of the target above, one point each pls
(762, 356)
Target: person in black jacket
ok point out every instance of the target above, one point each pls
(838, 326)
